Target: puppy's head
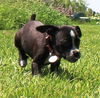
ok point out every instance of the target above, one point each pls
(65, 40)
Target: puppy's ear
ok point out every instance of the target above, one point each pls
(50, 29)
(78, 30)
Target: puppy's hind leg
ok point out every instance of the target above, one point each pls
(22, 55)
(22, 58)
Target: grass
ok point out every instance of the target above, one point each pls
(75, 80)
(15, 13)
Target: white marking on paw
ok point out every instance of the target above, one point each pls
(23, 63)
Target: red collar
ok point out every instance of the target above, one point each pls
(49, 45)
(48, 39)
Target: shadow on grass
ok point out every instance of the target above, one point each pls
(62, 74)
(65, 74)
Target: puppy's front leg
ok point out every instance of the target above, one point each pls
(36, 69)
(55, 66)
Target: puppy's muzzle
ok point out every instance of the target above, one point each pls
(76, 54)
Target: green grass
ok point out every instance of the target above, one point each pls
(15, 13)
(75, 80)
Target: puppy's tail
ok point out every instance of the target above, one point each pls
(33, 17)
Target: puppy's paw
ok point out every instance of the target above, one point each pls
(23, 63)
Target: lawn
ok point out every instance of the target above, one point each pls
(75, 80)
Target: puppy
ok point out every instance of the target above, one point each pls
(47, 44)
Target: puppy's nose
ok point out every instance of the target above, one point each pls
(76, 54)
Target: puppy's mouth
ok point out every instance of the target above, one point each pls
(71, 59)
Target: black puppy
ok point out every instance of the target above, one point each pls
(47, 43)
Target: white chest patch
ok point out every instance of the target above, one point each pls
(72, 33)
